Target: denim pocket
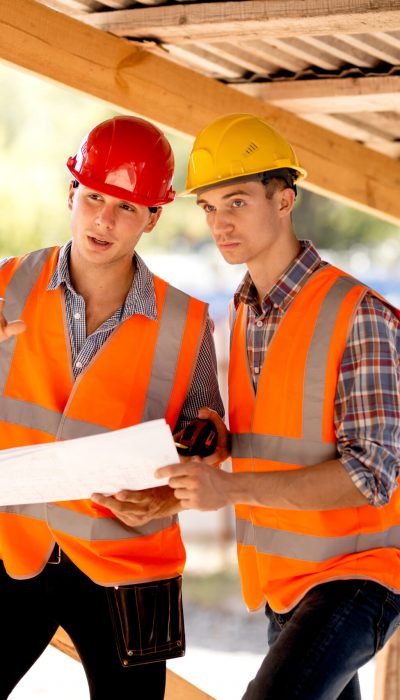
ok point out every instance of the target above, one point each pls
(390, 620)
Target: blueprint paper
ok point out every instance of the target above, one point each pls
(73, 469)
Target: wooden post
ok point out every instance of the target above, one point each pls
(387, 671)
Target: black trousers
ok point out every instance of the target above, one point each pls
(31, 610)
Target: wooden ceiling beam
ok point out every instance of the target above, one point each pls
(213, 21)
(330, 95)
(71, 6)
(131, 79)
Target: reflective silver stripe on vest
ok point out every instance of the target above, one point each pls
(166, 354)
(29, 414)
(74, 428)
(317, 358)
(36, 417)
(281, 449)
(310, 547)
(29, 510)
(17, 293)
(85, 527)
(232, 320)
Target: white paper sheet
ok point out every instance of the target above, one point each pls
(72, 469)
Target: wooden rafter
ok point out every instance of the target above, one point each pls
(72, 53)
(214, 21)
(330, 95)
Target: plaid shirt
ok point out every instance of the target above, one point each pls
(204, 389)
(367, 404)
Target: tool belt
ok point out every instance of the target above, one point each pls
(148, 621)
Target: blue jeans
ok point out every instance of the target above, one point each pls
(316, 649)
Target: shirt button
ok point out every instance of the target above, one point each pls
(78, 364)
(77, 316)
(259, 324)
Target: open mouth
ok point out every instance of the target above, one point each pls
(100, 242)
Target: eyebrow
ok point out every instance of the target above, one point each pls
(227, 196)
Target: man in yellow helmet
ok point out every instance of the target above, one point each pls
(314, 412)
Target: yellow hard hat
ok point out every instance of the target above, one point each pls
(235, 146)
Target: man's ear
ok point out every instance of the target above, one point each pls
(71, 193)
(154, 217)
(286, 201)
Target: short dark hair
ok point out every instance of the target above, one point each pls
(277, 180)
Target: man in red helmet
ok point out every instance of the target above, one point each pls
(99, 344)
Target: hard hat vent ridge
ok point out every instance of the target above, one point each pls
(251, 148)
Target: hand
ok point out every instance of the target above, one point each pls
(197, 485)
(136, 508)
(221, 453)
(9, 328)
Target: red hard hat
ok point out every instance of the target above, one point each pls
(127, 158)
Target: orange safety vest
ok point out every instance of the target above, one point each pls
(289, 424)
(142, 372)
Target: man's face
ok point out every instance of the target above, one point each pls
(105, 229)
(244, 223)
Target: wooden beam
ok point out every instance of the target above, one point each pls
(330, 95)
(274, 18)
(357, 130)
(342, 52)
(71, 6)
(387, 673)
(369, 43)
(310, 55)
(58, 47)
(176, 688)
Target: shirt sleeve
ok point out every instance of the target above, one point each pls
(204, 390)
(367, 407)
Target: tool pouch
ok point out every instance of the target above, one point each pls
(148, 621)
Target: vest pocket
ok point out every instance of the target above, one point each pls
(148, 621)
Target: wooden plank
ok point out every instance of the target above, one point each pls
(339, 125)
(330, 95)
(372, 45)
(198, 57)
(358, 130)
(280, 58)
(387, 673)
(274, 18)
(176, 687)
(311, 55)
(238, 55)
(71, 6)
(101, 65)
(381, 124)
(342, 52)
